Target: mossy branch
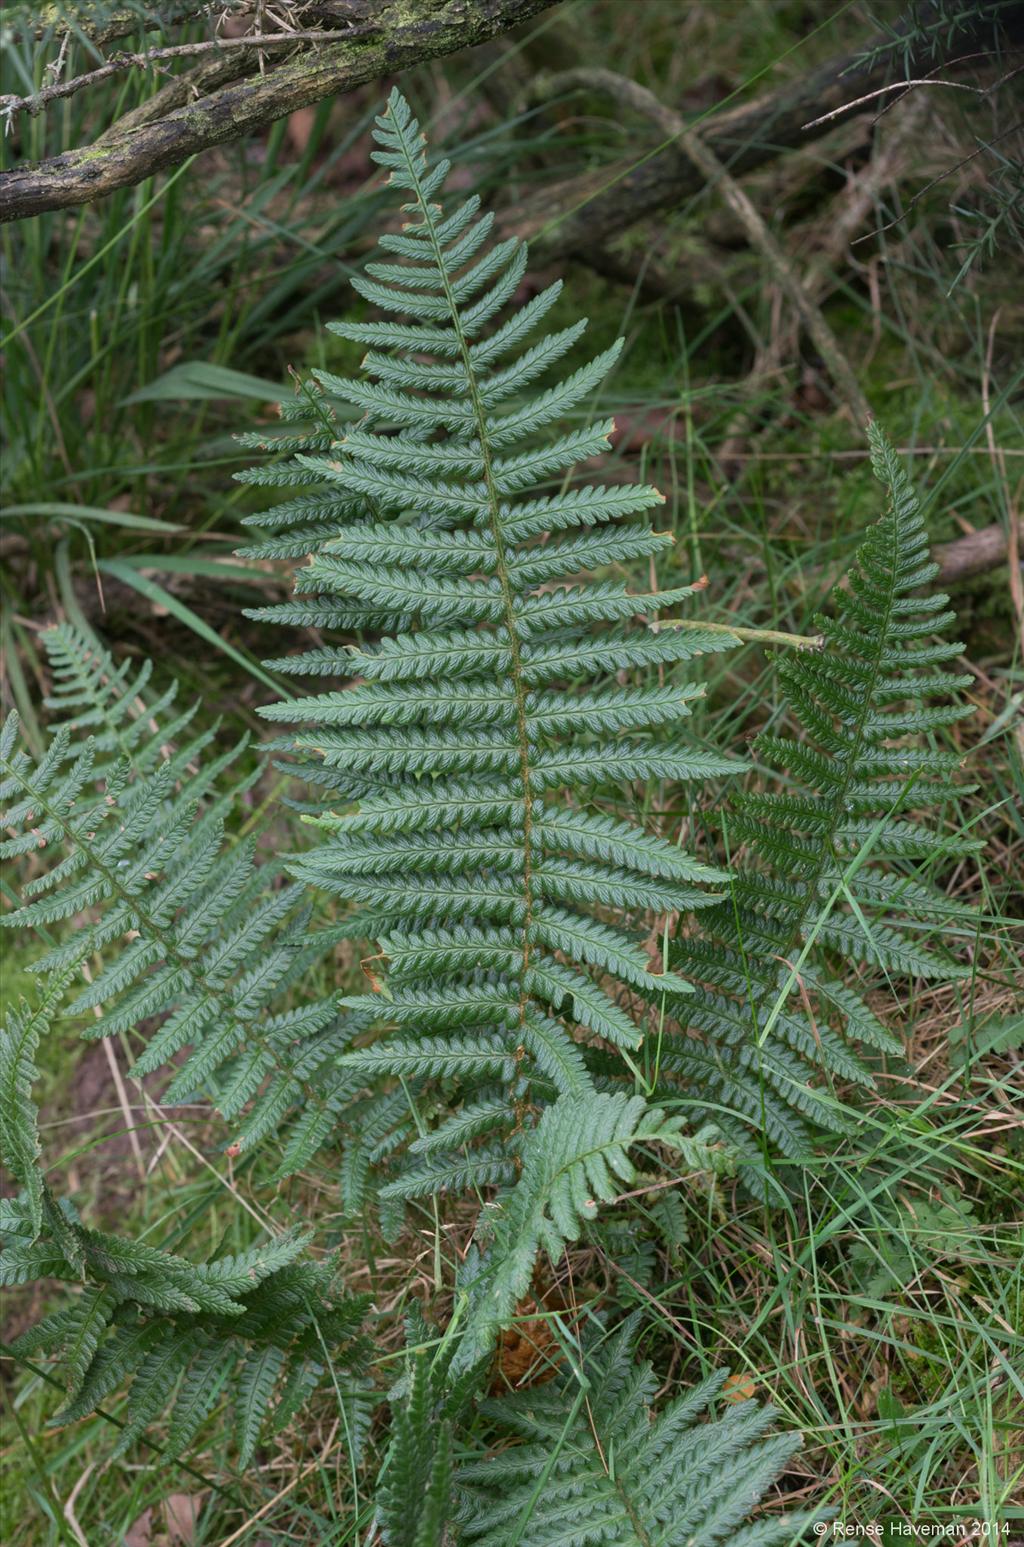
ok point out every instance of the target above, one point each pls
(398, 35)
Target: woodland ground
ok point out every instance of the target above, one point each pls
(142, 332)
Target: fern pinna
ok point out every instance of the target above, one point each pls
(820, 883)
(468, 723)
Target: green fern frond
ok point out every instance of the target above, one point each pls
(577, 1157)
(254, 1325)
(247, 1328)
(127, 826)
(585, 1460)
(113, 703)
(413, 1492)
(413, 1498)
(822, 885)
(479, 732)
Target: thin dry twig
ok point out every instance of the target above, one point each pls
(882, 91)
(125, 1104)
(119, 1086)
(72, 1500)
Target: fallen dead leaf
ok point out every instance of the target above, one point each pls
(171, 1523)
(181, 1511)
(140, 1533)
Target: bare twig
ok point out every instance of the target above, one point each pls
(872, 96)
(72, 1500)
(119, 1086)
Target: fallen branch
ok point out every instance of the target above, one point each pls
(647, 277)
(714, 173)
(395, 35)
(973, 554)
(580, 212)
(97, 23)
(185, 87)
